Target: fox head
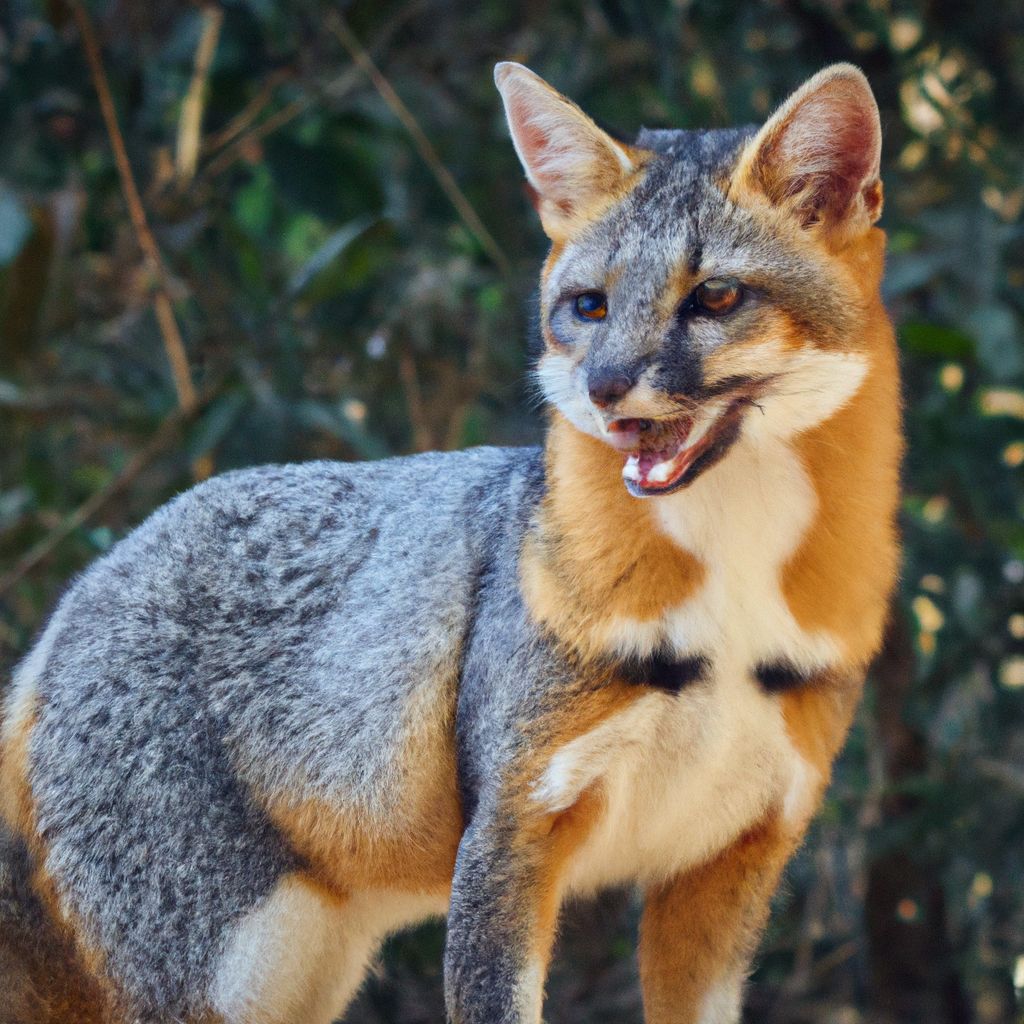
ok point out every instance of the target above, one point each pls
(704, 288)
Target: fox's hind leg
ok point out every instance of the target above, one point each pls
(300, 956)
(295, 958)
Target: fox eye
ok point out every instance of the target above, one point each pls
(591, 305)
(717, 296)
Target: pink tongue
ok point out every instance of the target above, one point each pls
(652, 469)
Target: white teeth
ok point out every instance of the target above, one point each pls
(631, 470)
(702, 427)
(660, 472)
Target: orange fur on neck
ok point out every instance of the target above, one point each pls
(595, 555)
(840, 577)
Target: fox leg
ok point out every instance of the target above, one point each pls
(505, 898)
(700, 929)
(300, 957)
(286, 960)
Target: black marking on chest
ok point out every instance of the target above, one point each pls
(780, 676)
(664, 670)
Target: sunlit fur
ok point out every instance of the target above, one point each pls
(301, 707)
(785, 549)
(575, 169)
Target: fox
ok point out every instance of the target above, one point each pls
(304, 706)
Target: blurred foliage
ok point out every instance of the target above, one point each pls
(334, 304)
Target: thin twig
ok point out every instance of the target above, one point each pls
(173, 343)
(814, 909)
(424, 147)
(190, 122)
(422, 436)
(165, 434)
(243, 136)
(471, 381)
(226, 157)
(249, 113)
(453, 436)
(828, 963)
(1009, 775)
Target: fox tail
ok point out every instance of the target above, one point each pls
(42, 979)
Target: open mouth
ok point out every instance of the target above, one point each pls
(665, 455)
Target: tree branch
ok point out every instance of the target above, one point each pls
(421, 432)
(423, 145)
(174, 346)
(242, 134)
(165, 434)
(190, 121)
(248, 114)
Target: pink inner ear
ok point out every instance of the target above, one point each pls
(825, 152)
(533, 139)
(536, 144)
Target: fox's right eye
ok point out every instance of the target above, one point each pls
(591, 305)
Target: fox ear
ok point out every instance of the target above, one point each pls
(570, 163)
(818, 155)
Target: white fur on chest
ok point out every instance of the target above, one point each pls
(689, 775)
(684, 775)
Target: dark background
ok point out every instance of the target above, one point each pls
(334, 300)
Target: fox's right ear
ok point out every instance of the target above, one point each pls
(571, 164)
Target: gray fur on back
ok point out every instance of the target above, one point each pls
(266, 629)
(284, 630)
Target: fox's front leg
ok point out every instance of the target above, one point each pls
(700, 929)
(504, 906)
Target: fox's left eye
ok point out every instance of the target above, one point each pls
(717, 295)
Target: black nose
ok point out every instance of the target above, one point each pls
(608, 385)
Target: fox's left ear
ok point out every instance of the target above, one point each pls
(818, 156)
(572, 165)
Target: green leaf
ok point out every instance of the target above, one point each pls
(13, 506)
(906, 272)
(10, 393)
(214, 425)
(999, 343)
(254, 204)
(331, 249)
(325, 179)
(926, 339)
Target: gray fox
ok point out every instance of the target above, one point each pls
(301, 707)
